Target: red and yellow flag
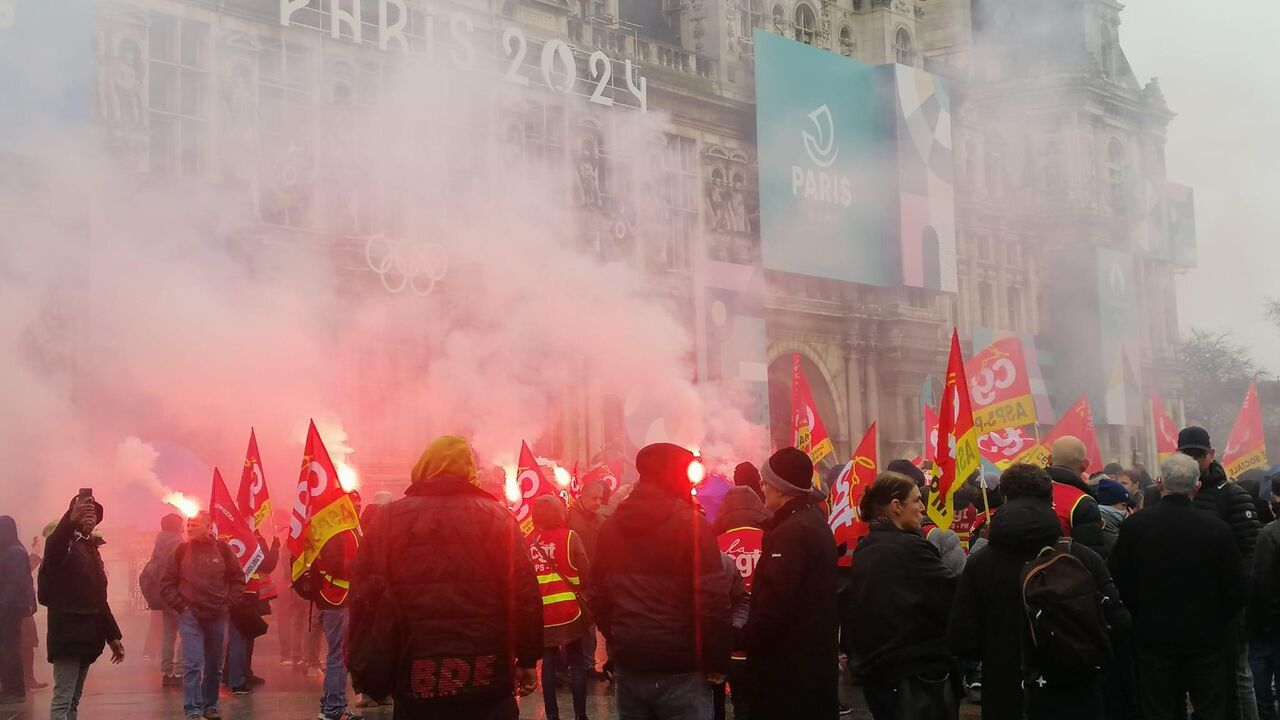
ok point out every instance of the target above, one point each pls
(957, 448)
(1076, 422)
(1000, 387)
(321, 507)
(232, 527)
(807, 430)
(532, 483)
(846, 495)
(1247, 448)
(252, 498)
(1166, 431)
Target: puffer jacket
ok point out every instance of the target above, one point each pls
(73, 585)
(1264, 597)
(988, 621)
(658, 587)
(900, 598)
(1232, 503)
(465, 590)
(741, 507)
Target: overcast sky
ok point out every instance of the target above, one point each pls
(1217, 65)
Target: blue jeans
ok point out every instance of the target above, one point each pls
(203, 640)
(650, 696)
(334, 701)
(237, 657)
(552, 661)
(1264, 658)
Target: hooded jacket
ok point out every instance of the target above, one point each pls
(73, 585)
(658, 586)
(457, 566)
(741, 507)
(988, 622)
(1086, 519)
(1172, 551)
(1232, 503)
(898, 601)
(17, 593)
(791, 635)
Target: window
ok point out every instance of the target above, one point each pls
(847, 45)
(1116, 169)
(986, 304)
(671, 249)
(748, 16)
(806, 24)
(178, 84)
(284, 99)
(1014, 308)
(902, 52)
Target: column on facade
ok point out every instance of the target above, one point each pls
(853, 396)
(873, 386)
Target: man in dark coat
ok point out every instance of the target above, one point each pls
(73, 585)
(988, 621)
(17, 602)
(466, 630)
(791, 635)
(660, 594)
(1072, 497)
(202, 582)
(584, 521)
(1264, 612)
(167, 540)
(1181, 577)
(1232, 504)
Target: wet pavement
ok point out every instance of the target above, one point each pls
(132, 691)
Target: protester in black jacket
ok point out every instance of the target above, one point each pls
(899, 598)
(1264, 613)
(17, 602)
(988, 619)
(660, 594)
(1180, 575)
(466, 610)
(1083, 519)
(791, 636)
(73, 585)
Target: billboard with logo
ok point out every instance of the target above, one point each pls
(855, 168)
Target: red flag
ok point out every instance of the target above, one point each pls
(602, 473)
(321, 507)
(1166, 431)
(847, 494)
(807, 430)
(1000, 387)
(956, 451)
(532, 483)
(1247, 448)
(252, 498)
(230, 526)
(1076, 422)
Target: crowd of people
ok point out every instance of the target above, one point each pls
(1061, 594)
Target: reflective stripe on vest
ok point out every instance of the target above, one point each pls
(1065, 500)
(549, 551)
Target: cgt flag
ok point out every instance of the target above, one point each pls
(847, 526)
(231, 527)
(1077, 422)
(1247, 447)
(1166, 431)
(252, 498)
(533, 483)
(321, 507)
(1000, 387)
(957, 447)
(807, 429)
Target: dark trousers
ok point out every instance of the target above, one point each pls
(11, 654)
(1165, 679)
(737, 686)
(555, 658)
(1264, 657)
(926, 696)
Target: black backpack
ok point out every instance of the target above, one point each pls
(1067, 629)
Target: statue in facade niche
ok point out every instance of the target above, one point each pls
(717, 201)
(738, 205)
(588, 173)
(126, 84)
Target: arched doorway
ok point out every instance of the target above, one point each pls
(780, 374)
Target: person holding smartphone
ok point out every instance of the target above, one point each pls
(73, 585)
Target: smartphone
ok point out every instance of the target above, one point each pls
(86, 492)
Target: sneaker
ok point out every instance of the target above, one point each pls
(212, 714)
(242, 690)
(170, 681)
(846, 710)
(346, 715)
(254, 681)
(195, 717)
